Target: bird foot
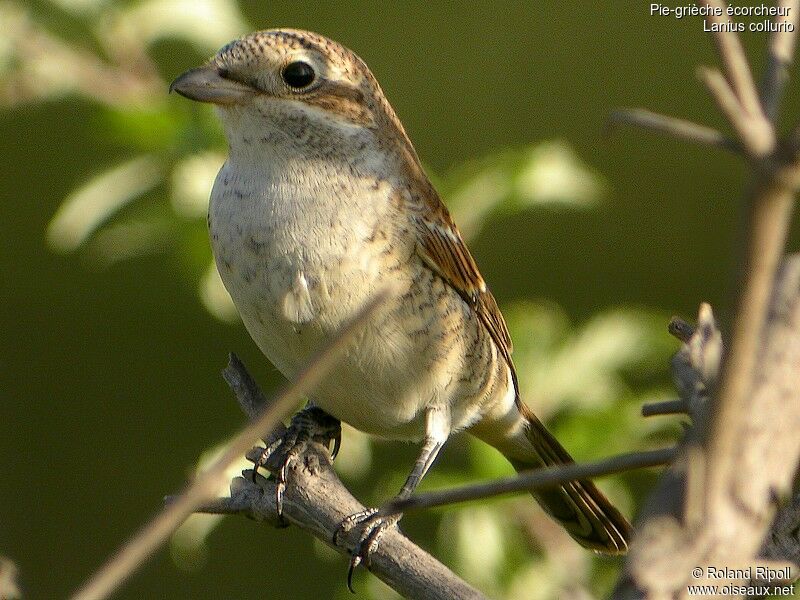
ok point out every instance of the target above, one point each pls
(373, 526)
(310, 424)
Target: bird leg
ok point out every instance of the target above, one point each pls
(373, 522)
(310, 424)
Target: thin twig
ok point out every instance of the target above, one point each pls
(667, 407)
(780, 53)
(731, 53)
(227, 505)
(111, 575)
(673, 126)
(540, 478)
(681, 329)
(757, 138)
(250, 397)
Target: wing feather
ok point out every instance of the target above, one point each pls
(444, 251)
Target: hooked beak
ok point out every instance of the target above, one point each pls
(205, 84)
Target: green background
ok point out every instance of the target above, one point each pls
(109, 379)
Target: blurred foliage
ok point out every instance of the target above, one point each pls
(587, 379)
(9, 590)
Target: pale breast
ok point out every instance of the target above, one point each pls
(299, 267)
(295, 261)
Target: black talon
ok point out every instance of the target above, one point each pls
(374, 524)
(337, 443)
(309, 424)
(354, 562)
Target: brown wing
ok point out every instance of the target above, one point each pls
(443, 250)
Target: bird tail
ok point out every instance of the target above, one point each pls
(582, 509)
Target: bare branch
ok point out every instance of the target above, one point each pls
(780, 54)
(731, 53)
(755, 135)
(317, 502)
(674, 127)
(540, 478)
(111, 575)
(250, 397)
(685, 524)
(770, 208)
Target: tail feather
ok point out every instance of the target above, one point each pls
(581, 508)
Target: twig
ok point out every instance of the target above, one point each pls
(681, 329)
(317, 502)
(672, 126)
(540, 478)
(111, 575)
(250, 397)
(780, 54)
(667, 407)
(731, 53)
(756, 138)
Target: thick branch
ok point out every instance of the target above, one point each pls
(769, 206)
(317, 502)
(717, 502)
(679, 527)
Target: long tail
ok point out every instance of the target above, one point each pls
(581, 508)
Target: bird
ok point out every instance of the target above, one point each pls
(323, 202)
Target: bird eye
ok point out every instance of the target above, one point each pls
(298, 74)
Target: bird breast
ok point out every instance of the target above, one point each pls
(299, 248)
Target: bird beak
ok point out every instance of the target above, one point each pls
(205, 84)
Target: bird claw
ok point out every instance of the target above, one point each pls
(374, 525)
(310, 424)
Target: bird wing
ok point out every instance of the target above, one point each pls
(442, 249)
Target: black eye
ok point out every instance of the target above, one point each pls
(298, 74)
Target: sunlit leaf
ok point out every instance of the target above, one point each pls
(549, 173)
(552, 173)
(188, 546)
(208, 24)
(129, 239)
(81, 7)
(91, 205)
(9, 589)
(560, 367)
(215, 297)
(191, 180)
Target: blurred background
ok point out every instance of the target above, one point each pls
(115, 327)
